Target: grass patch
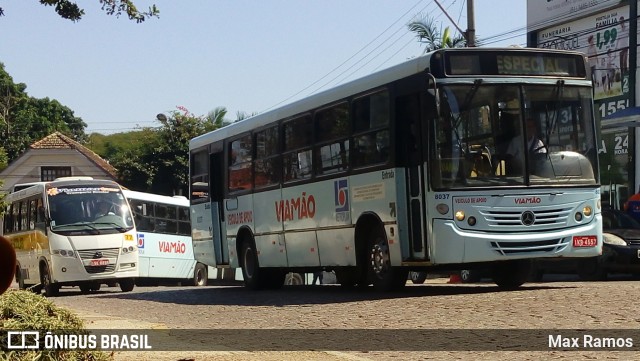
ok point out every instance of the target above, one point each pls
(26, 311)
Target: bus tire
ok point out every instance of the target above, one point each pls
(384, 276)
(85, 288)
(200, 275)
(251, 271)
(418, 277)
(50, 288)
(127, 284)
(293, 279)
(510, 275)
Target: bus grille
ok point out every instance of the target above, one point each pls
(90, 254)
(544, 218)
(524, 247)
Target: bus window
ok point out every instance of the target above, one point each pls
(267, 167)
(297, 161)
(240, 165)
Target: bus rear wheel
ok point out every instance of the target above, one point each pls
(200, 276)
(251, 271)
(50, 289)
(384, 276)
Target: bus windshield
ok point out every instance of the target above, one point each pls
(77, 210)
(490, 135)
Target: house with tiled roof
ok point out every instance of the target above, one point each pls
(54, 156)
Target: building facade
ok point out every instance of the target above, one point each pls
(606, 31)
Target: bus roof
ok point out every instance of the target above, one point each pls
(369, 82)
(150, 197)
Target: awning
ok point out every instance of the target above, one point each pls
(629, 117)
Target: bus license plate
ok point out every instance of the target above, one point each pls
(99, 262)
(585, 241)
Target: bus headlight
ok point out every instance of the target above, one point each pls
(587, 211)
(460, 215)
(578, 216)
(129, 249)
(64, 252)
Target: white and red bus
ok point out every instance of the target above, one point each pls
(423, 166)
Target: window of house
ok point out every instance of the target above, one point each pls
(51, 173)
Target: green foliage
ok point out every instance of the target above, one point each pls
(433, 38)
(24, 119)
(24, 310)
(68, 9)
(154, 160)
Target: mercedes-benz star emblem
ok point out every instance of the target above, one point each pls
(99, 254)
(528, 218)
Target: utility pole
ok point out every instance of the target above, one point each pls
(471, 25)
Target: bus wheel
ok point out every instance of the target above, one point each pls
(126, 284)
(251, 271)
(200, 276)
(50, 289)
(418, 278)
(85, 288)
(509, 275)
(293, 279)
(95, 287)
(385, 277)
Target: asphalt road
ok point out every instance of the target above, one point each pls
(372, 319)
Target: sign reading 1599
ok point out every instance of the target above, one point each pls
(608, 108)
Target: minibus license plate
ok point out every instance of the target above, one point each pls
(99, 262)
(585, 241)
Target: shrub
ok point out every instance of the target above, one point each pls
(26, 311)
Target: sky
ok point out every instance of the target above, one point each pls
(246, 56)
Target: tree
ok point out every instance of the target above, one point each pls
(434, 38)
(161, 163)
(25, 119)
(68, 9)
(217, 117)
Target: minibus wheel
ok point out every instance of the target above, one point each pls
(50, 289)
(251, 271)
(127, 284)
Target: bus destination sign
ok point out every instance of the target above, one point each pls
(516, 63)
(533, 65)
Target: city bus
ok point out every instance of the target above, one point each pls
(424, 166)
(62, 239)
(164, 239)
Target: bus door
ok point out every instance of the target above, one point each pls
(220, 246)
(408, 118)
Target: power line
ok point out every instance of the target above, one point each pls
(346, 61)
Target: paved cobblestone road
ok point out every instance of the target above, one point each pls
(434, 305)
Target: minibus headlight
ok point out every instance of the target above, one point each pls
(587, 211)
(460, 215)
